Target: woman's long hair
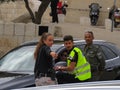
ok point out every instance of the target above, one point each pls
(40, 43)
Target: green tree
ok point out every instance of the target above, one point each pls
(36, 17)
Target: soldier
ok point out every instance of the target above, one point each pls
(93, 54)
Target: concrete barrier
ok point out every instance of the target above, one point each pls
(20, 29)
(30, 29)
(108, 24)
(61, 18)
(9, 29)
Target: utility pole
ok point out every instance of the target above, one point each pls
(112, 26)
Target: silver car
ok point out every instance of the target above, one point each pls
(16, 66)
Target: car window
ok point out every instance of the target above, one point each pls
(107, 52)
(55, 47)
(19, 60)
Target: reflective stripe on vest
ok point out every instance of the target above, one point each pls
(82, 69)
(82, 66)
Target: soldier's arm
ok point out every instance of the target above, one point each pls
(101, 59)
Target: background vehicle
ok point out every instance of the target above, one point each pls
(114, 14)
(116, 18)
(16, 67)
(94, 13)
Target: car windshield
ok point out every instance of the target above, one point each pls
(21, 59)
(55, 47)
(18, 60)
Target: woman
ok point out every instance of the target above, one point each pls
(44, 72)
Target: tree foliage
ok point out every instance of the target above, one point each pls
(36, 17)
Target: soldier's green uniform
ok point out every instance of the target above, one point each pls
(94, 56)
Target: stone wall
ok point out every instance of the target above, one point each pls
(11, 10)
(12, 34)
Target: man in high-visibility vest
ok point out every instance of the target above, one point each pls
(78, 69)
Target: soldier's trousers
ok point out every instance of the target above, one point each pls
(42, 81)
(96, 76)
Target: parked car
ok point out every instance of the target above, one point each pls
(16, 66)
(99, 85)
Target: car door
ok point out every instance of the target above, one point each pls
(112, 63)
(110, 57)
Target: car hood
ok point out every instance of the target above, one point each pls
(15, 80)
(6, 79)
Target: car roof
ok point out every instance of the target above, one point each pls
(57, 40)
(35, 41)
(95, 41)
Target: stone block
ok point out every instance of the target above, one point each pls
(4, 11)
(4, 16)
(20, 29)
(9, 16)
(9, 28)
(52, 27)
(108, 24)
(30, 29)
(20, 39)
(61, 18)
(58, 31)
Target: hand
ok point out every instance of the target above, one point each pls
(57, 68)
(54, 55)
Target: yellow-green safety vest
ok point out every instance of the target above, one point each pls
(82, 69)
